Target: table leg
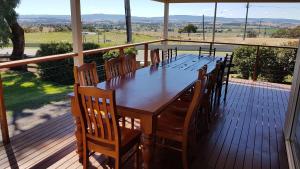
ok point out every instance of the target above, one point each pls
(147, 150)
(78, 131)
(146, 125)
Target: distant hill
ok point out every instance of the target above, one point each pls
(95, 18)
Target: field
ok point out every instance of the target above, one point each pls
(119, 37)
(110, 38)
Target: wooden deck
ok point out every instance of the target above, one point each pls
(248, 134)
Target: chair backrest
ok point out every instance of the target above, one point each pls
(212, 79)
(229, 59)
(196, 101)
(227, 65)
(221, 72)
(98, 115)
(208, 51)
(202, 76)
(113, 68)
(172, 53)
(86, 75)
(193, 108)
(129, 63)
(154, 54)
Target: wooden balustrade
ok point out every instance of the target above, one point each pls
(3, 118)
(146, 48)
(256, 65)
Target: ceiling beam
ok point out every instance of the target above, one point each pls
(225, 1)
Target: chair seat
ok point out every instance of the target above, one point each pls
(182, 105)
(129, 138)
(170, 126)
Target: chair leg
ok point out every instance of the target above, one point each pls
(137, 158)
(85, 158)
(226, 88)
(184, 156)
(219, 95)
(207, 116)
(124, 121)
(132, 123)
(117, 163)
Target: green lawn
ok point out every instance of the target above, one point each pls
(113, 38)
(26, 91)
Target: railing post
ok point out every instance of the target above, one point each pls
(146, 48)
(257, 58)
(3, 118)
(210, 47)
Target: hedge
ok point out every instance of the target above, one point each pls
(275, 64)
(61, 71)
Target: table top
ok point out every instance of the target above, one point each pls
(151, 89)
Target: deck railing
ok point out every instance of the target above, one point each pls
(12, 64)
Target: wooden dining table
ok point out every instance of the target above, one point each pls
(144, 93)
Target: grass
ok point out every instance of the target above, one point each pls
(113, 38)
(27, 91)
(119, 37)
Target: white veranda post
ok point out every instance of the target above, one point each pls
(215, 19)
(166, 25)
(76, 31)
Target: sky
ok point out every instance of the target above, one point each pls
(149, 8)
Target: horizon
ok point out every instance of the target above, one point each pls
(154, 16)
(155, 9)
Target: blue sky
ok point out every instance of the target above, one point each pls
(150, 8)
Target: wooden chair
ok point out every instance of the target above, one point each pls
(114, 68)
(181, 105)
(86, 75)
(209, 52)
(174, 128)
(154, 54)
(169, 54)
(228, 65)
(129, 64)
(172, 53)
(208, 99)
(220, 79)
(100, 129)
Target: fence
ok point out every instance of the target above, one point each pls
(28, 87)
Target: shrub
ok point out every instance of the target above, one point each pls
(116, 53)
(271, 68)
(244, 59)
(287, 33)
(61, 71)
(274, 64)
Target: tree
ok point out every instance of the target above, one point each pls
(4, 33)
(287, 33)
(190, 28)
(10, 28)
(252, 34)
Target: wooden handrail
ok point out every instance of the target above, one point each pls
(69, 55)
(36, 60)
(93, 51)
(233, 44)
(3, 118)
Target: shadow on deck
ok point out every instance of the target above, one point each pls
(248, 134)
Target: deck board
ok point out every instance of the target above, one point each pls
(247, 134)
